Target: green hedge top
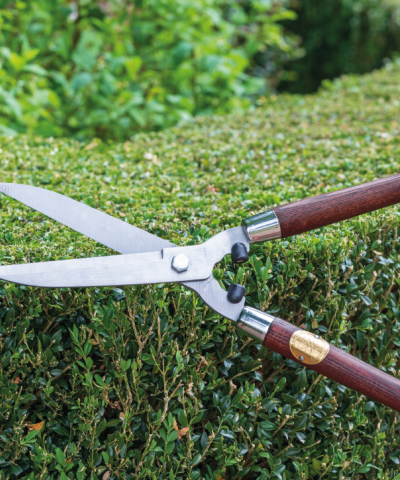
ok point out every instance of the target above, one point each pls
(147, 382)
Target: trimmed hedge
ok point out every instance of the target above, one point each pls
(147, 382)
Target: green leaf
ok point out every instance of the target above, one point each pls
(101, 427)
(80, 80)
(280, 385)
(31, 54)
(363, 469)
(99, 380)
(277, 471)
(178, 358)
(113, 421)
(302, 379)
(60, 430)
(36, 69)
(10, 315)
(317, 464)
(196, 460)
(263, 274)
(364, 315)
(182, 419)
(16, 470)
(204, 440)
(369, 406)
(31, 435)
(17, 61)
(360, 340)
(133, 66)
(172, 436)
(198, 417)
(87, 348)
(238, 396)
(394, 456)
(225, 403)
(300, 423)
(148, 358)
(366, 300)
(170, 447)
(60, 456)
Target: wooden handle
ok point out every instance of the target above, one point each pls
(316, 212)
(337, 364)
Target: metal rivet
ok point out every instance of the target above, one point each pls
(180, 263)
(301, 358)
(316, 336)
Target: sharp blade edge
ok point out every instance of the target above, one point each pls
(110, 231)
(130, 269)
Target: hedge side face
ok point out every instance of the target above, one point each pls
(146, 382)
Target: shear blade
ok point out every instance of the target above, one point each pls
(135, 269)
(117, 235)
(110, 231)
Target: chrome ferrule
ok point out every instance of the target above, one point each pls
(262, 227)
(255, 323)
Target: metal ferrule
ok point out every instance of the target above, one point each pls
(254, 323)
(262, 227)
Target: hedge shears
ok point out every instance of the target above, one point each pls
(148, 259)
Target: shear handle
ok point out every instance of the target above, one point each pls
(332, 207)
(309, 350)
(316, 212)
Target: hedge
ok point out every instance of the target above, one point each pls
(147, 382)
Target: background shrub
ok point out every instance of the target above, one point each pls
(108, 69)
(341, 36)
(111, 378)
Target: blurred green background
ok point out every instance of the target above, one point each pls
(108, 69)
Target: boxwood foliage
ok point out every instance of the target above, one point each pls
(147, 382)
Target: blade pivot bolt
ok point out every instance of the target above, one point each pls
(180, 263)
(301, 358)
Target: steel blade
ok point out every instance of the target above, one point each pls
(215, 297)
(118, 235)
(110, 231)
(129, 269)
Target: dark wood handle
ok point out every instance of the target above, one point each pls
(322, 210)
(340, 366)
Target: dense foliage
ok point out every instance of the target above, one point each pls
(109, 69)
(146, 382)
(341, 36)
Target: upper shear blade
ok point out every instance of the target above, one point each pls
(110, 231)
